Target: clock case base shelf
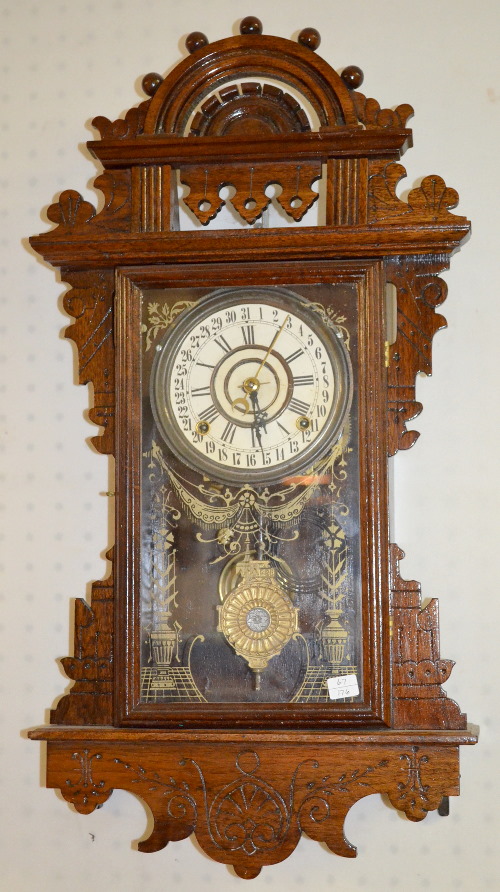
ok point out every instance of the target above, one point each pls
(249, 807)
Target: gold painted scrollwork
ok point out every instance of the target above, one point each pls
(160, 317)
(235, 514)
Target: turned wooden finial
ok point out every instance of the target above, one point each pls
(310, 37)
(151, 82)
(196, 41)
(251, 25)
(353, 77)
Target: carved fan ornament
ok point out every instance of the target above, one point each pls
(249, 777)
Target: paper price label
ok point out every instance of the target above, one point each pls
(342, 686)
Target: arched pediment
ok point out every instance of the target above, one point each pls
(249, 56)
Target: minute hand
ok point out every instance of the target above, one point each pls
(271, 345)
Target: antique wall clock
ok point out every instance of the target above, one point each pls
(256, 664)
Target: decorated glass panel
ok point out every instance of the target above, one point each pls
(250, 553)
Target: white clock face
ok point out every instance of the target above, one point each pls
(250, 384)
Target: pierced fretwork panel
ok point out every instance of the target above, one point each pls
(250, 185)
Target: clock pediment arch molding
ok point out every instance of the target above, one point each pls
(238, 58)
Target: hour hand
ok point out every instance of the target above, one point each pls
(259, 419)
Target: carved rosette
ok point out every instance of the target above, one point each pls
(372, 116)
(127, 128)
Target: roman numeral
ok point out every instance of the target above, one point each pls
(223, 344)
(283, 428)
(209, 414)
(248, 334)
(200, 391)
(293, 356)
(229, 432)
(300, 380)
(298, 406)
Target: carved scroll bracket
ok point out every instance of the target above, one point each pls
(419, 292)
(430, 202)
(73, 214)
(90, 302)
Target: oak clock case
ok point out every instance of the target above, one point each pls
(255, 663)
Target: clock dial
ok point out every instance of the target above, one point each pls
(251, 384)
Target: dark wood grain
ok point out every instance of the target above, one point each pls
(313, 244)
(114, 152)
(91, 666)
(250, 200)
(417, 668)
(250, 25)
(419, 293)
(353, 77)
(151, 82)
(90, 302)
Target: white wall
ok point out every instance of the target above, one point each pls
(62, 63)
